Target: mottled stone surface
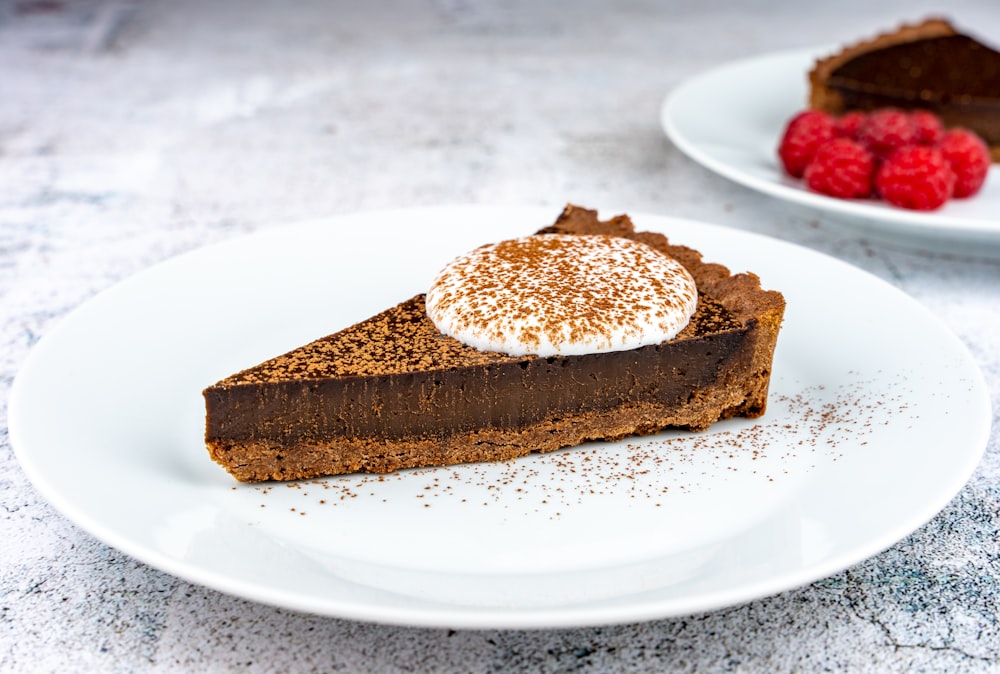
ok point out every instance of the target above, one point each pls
(130, 132)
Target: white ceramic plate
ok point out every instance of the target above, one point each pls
(730, 120)
(877, 418)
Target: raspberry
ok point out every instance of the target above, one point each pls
(915, 177)
(848, 125)
(969, 159)
(804, 134)
(927, 127)
(841, 168)
(886, 130)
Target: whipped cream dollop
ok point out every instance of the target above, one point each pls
(561, 294)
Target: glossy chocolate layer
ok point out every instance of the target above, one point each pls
(275, 402)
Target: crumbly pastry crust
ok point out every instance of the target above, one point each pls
(271, 422)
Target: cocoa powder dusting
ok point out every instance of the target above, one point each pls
(803, 431)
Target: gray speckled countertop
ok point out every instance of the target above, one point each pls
(134, 131)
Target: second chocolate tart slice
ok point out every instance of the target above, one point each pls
(928, 65)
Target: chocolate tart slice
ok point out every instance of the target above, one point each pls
(929, 65)
(392, 392)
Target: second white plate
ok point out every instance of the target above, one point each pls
(730, 120)
(877, 418)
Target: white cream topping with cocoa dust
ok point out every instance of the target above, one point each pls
(561, 294)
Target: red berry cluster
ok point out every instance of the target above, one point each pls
(906, 158)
